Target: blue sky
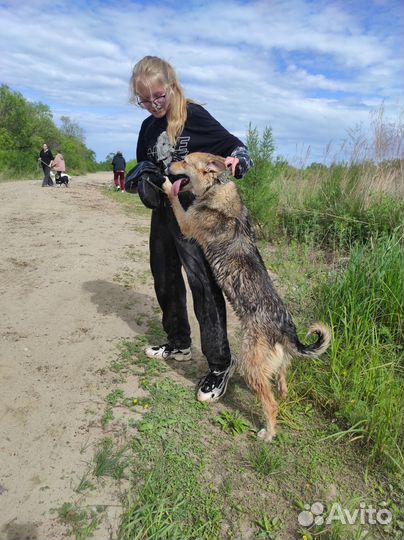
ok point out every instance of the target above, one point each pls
(311, 70)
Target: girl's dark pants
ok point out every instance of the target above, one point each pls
(47, 180)
(169, 250)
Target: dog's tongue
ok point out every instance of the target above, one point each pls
(176, 187)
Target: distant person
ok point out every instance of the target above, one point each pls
(58, 165)
(45, 158)
(118, 165)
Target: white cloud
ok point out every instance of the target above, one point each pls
(311, 70)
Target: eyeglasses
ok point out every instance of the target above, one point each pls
(156, 102)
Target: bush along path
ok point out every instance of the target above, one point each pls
(188, 470)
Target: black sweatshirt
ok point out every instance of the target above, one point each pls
(46, 156)
(201, 133)
(118, 162)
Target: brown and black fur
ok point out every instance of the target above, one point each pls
(219, 222)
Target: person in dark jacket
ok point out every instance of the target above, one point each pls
(45, 157)
(118, 165)
(177, 126)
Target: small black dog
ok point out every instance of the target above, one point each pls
(62, 179)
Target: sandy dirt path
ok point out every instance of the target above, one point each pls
(62, 314)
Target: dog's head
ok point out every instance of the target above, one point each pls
(197, 172)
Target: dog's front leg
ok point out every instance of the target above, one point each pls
(179, 212)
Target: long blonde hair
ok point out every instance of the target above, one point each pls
(151, 69)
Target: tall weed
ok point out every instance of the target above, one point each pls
(331, 210)
(357, 195)
(257, 187)
(364, 383)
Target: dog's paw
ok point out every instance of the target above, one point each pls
(167, 185)
(265, 435)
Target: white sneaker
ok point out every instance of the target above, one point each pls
(166, 351)
(214, 385)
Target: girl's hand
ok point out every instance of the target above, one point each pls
(232, 162)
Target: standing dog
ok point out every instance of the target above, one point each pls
(219, 222)
(60, 178)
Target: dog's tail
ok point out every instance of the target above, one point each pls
(315, 349)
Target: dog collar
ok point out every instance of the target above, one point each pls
(224, 177)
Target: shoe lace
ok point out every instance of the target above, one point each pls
(210, 378)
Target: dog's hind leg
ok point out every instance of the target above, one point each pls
(282, 384)
(270, 408)
(259, 364)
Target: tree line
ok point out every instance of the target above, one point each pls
(25, 126)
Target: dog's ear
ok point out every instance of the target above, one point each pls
(215, 165)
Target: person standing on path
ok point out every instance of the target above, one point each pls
(118, 165)
(175, 127)
(45, 158)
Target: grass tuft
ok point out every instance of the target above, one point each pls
(109, 461)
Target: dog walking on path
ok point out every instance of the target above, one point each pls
(219, 222)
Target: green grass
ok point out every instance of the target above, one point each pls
(232, 422)
(109, 460)
(264, 461)
(360, 295)
(332, 206)
(340, 221)
(187, 461)
(85, 484)
(81, 522)
(107, 417)
(362, 383)
(168, 499)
